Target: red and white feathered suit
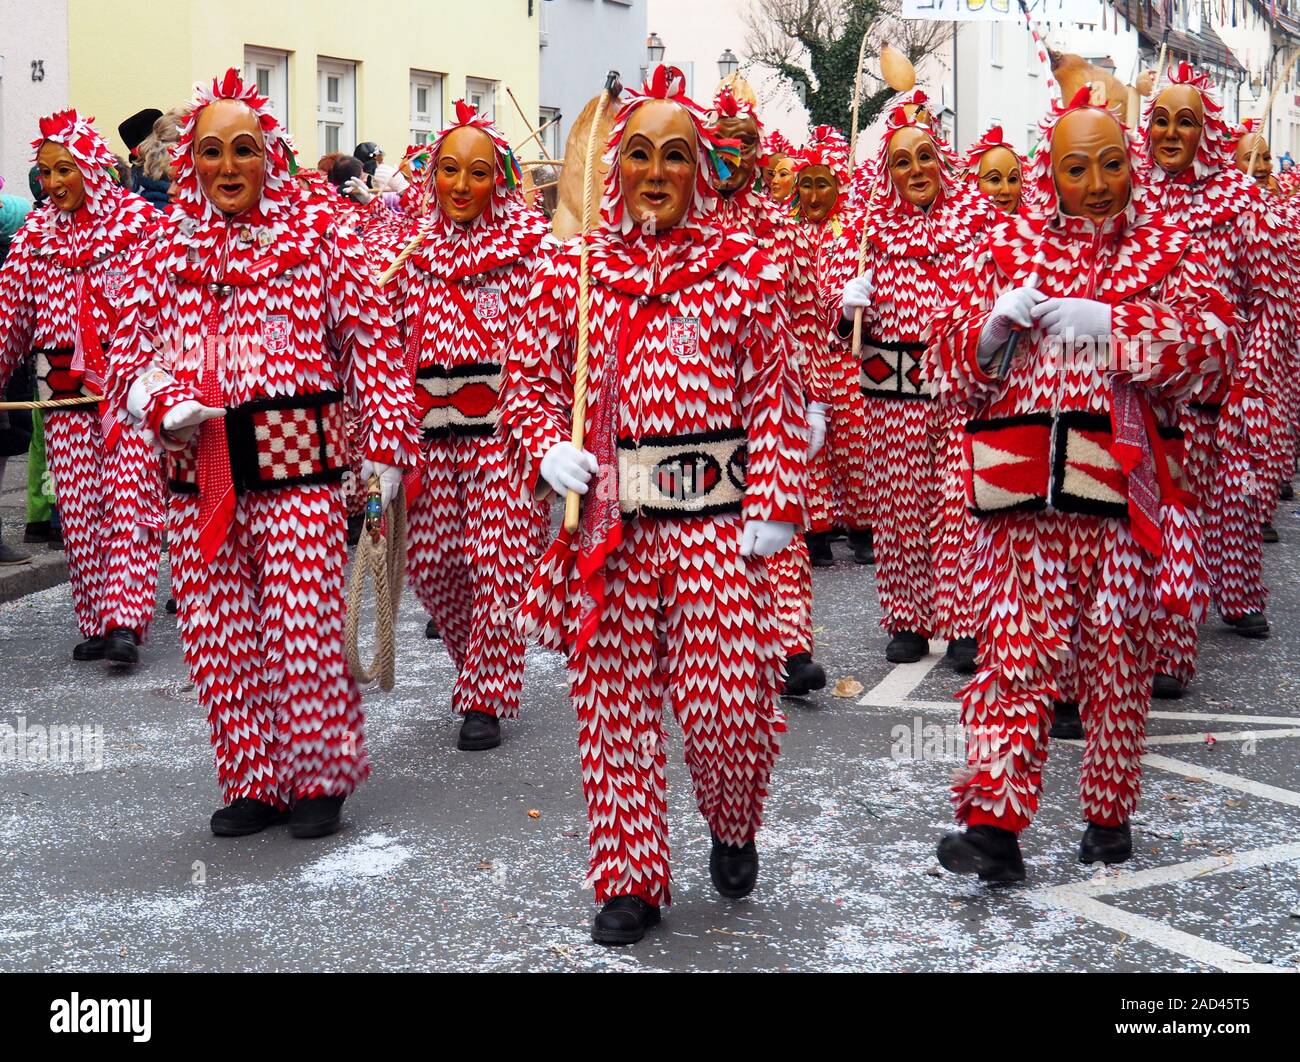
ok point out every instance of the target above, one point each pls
(60, 295)
(922, 535)
(273, 315)
(1228, 428)
(837, 490)
(474, 530)
(696, 418)
(1066, 471)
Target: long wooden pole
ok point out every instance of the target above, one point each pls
(534, 134)
(857, 98)
(1267, 120)
(573, 501)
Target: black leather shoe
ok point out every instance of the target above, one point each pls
(479, 731)
(1167, 688)
(1251, 625)
(990, 852)
(431, 631)
(171, 606)
(819, 549)
(623, 920)
(1286, 492)
(90, 649)
(803, 675)
(1269, 533)
(906, 647)
(246, 816)
(860, 543)
(1066, 724)
(38, 531)
(122, 646)
(961, 655)
(733, 868)
(315, 816)
(1105, 844)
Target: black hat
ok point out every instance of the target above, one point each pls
(137, 127)
(366, 152)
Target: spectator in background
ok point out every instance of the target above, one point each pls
(326, 162)
(34, 184)
(14, 436)
(152, 174)
(134, 129)
(371, 155)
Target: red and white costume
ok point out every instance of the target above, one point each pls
(473, 535)
(273, 315)
(60, 295)
(837, 491)
(786, 245)
(696, 419)
(922, 534)
(1066, 470)
(1229, 429)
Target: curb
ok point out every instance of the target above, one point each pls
(48, 567)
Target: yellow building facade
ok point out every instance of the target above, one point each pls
(338, 73)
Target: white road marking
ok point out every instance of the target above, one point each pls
(1128, 881)
(1237, 735)
(892, 690)
(1221, 717)
(1228, 781)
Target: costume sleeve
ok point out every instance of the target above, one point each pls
(952, 357)
(806, 319)
(772, 404)
(839, 266)
(536, 402)
(360, 328)
(17, 306)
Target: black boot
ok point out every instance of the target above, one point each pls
(1105, 844)
(10, 556)
(906, 647)
(1167, 688)
(315, 816)
(90, 649)
(171, 606)
(1251, 625)
(479, 731)
(1269, 533)
(246, 816)
(803, 675)
(819, 549)
(356, 524)
(431, 631)
(623, 920)
(122, 646)
(1286, 492)
(733, 868)
(990, 852)
(38, 531)
(860, 543)
(961, 655)
(1066, 724)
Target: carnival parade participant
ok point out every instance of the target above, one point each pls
(692, 471)
(784, 242)
(472, 541)
(777, 168)
(996, 168)
(1071, 550)
(60, 292)
(1191, 180)
(246, 321)
(919, 225)
(837, 489)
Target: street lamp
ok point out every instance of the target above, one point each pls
(728, 64)
(654, 49)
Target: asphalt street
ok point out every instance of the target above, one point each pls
(475, 861)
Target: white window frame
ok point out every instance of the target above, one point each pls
(995, 44)
(426, 124)
(266, 66)
(340, 114)
(552, 135)
(485, 92)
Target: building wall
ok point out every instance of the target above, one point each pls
(999, 81)
(29, 32)
(580, 41)
(126, 57)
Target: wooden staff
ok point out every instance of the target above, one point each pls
(857, 97)
(573, 500)
(534, 134)
(53, 403)
(1265, 122)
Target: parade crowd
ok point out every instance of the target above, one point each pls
(1052, 401)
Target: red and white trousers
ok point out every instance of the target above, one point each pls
(262, 629)
(110, 505)
(686, 622)
(1069, 602)
(838, 492)
(473, 537)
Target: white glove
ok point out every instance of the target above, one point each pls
(816, 427)
(762, 538)
(355, 188)
(566, 468)
(857, 296)
(185, 418)
(146, 385)
(390, 478)
(1013, 310)
(1079, 317)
